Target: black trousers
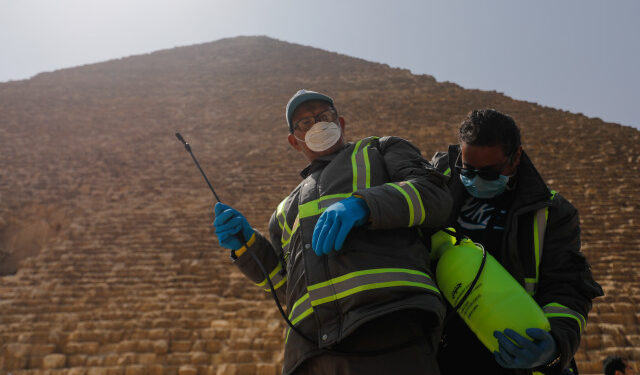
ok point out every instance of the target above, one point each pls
(403, 342)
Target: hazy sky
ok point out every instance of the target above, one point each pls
(577, 55)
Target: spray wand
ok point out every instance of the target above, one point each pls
(233, 255)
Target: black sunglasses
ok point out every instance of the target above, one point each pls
(486, 173)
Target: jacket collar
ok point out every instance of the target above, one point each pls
(321, 162)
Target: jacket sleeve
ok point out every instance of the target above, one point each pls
(269, 256)
(566, 286)
(416, 194)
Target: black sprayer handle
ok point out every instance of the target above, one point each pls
(188, 148)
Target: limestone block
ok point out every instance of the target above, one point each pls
(162, 323)
(180, 346)
(188, 370)
(42, 349)
(226, 369)
(144, 346)
(180, 334)
(126, 346)
(127, 359)
(160, 347)
(245, 369)
(267, 369)
(72, 348)
(178, 359)
(147, 358)
(213, 346)
(90, 347)
(135, 370)
(77, 371)
(16, 356)
(97, 371)
(54, 361)
(200, 358)
(109, 359)
(157, 333)
(208, 333)
(76, 360)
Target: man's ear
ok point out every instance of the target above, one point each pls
(516, 157)
(293, 141)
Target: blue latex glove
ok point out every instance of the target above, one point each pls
(527, 354)
(336, 222)
(229, 224)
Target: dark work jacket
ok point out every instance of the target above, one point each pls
(566, 287)
(383, 267)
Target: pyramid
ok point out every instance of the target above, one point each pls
(108, 257)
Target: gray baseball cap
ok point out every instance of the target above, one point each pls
(300, 97)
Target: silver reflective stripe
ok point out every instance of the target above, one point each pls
(324, 204)
(530, 286)
(365, 281)
(280, 213)
(556, 310)
(539, 228)
(277, 279)
(300, 310)
(541, 218)
(287, 234)
(362, 170)
(416, 208)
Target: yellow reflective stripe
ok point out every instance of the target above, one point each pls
(367, 167)
(277, 279)
(539, 227)
(556, 310)
(360, 166)
(280, 214)
(241, 250)
(365, 272)
(416, 208)
(447, 172)
(354, 282)
(361, 288)
(530, 285)
(318, 206)
(279, 284)
(354, 165)
(300, 310)
(406, 196)
(286, 239)
(423, 216)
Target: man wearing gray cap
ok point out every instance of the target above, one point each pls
(345, 251)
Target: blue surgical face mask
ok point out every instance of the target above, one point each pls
(484, 189)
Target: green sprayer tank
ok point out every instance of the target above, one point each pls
(496, 302)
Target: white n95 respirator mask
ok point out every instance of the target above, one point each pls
(322, 136)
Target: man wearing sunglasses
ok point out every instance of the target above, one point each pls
(502, 202)
(345, 253)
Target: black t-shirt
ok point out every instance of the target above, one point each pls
(483, 221)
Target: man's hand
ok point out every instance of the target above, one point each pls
(527, 354)
(228, 224)
(336, 222)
